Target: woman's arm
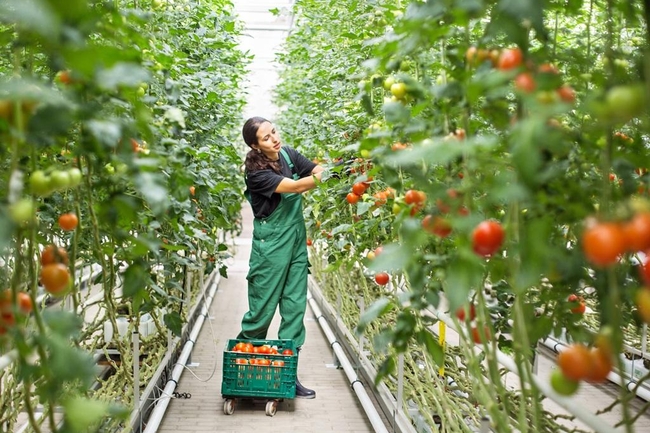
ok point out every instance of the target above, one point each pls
(299, 186)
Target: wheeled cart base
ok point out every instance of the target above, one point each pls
(230, 403)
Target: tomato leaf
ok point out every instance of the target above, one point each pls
(122, 75)
(135, 279)
(379, 308)
(82, 413)
(151, 188)
(465, 273)
(430, 342)
(386, 369)
(174, 322)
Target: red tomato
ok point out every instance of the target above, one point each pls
(24, 302)
(277, 363)
(525, 82)
(382, 278)
(601, 365)
(359, 188)
(637, 232)
(548, 68)
(578, 306)
(436, 225)
(413, 196)
(309, 242)
(476, 335)
(55, 278)
(68, 221)
(603, 243)
(287, 352)
(580, 309)
(460, 313)
(567, 94)
(487, 238)
(52, 254)
(239, 347)
(352, 198)
(575, 362)
(381, 197)
(510, 58)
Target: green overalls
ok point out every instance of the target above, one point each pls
(278, 271)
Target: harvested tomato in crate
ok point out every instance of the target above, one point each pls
(259, 369)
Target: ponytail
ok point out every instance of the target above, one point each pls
(258, 161)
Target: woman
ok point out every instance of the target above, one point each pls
(275, 178)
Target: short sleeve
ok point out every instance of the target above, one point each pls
(303, 166)
(263, 182)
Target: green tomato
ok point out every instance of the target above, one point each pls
(140, 92)
(60, 180)
(365, 153)
(624, 102)
(406, 65)
(398, 90)
(109, 168)
(39, 183)
(563, 385)
(23, 212)
(75, 177)
(388, 82)
(121, 168)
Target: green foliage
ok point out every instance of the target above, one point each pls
(144, 99)
(419, 96)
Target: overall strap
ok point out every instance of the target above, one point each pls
(285, 155)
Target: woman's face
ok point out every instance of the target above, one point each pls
(268, 140)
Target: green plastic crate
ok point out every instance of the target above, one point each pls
(243, 379)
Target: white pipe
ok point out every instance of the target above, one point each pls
(161, 407)
(641, 392)
(355, 382)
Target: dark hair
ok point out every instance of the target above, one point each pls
(256, 160)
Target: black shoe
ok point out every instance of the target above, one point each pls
(302, 392)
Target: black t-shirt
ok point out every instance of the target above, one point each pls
(262, 184)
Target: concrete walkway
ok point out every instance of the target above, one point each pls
(335, 408)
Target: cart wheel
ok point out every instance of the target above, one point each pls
(271, 407)
(229, 406)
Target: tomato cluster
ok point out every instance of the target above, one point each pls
(8, 314)
(579, 363)
(44, 183)
(604, 242)
(577, 304)
(55, 274)
(264, 349)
